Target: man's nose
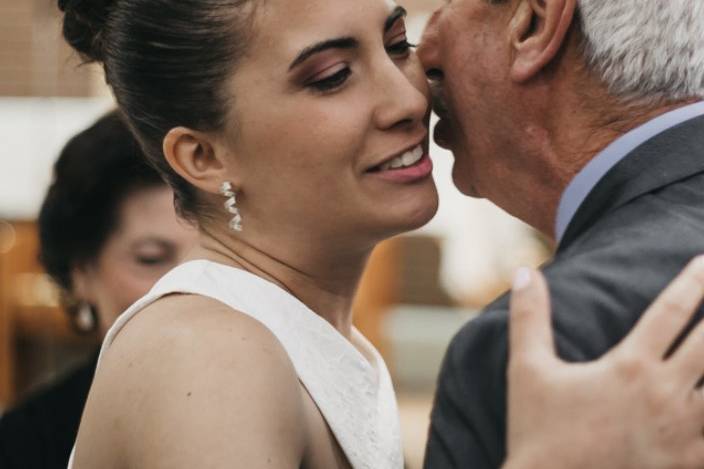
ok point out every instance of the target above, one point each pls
(429, 50)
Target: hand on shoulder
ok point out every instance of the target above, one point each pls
(637, 407)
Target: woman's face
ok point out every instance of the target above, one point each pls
(329, 96)
(148, 241)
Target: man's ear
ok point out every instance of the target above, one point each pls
(196, 157)
(538, 30)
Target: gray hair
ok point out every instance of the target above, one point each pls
(646, 49)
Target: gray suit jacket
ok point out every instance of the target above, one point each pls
(635, 231)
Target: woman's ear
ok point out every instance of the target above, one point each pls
(538, 30)
(196, 157)
(81, 284)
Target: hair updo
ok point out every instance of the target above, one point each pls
(167, 62)
(84, 24)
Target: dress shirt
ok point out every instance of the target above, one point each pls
(586, 179)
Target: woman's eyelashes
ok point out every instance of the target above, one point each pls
(400, 48)
(154, 257)
(149, 261)
(332, 81)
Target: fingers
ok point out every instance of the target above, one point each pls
(664, 320)
(687, 359)
(530, 328)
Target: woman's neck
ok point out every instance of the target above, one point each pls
(323, 279)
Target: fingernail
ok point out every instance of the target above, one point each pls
(521, 278)
(700, 261)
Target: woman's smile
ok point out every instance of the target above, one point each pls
(410, 166)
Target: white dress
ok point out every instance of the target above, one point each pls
(354, 395)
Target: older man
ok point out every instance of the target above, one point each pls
(582, 118)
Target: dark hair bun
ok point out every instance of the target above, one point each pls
(84, 22)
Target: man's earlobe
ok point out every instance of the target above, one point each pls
(193, 156)
(538, 31)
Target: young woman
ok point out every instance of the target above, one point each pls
(295, 134)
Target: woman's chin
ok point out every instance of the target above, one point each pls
(426, 209)
(411, 217)
(423, 216)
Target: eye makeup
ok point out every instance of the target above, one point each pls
(325, 66)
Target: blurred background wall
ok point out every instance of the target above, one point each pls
(44, 98)
(417, 292)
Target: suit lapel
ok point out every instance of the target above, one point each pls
(671, 156)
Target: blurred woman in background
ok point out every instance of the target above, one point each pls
(108, 231)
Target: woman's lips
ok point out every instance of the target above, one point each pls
(418, 171)
(442, 134)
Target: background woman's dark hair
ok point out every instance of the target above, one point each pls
(167, 62)
(96, 171)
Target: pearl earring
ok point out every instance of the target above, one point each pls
(86, 318)
(231, 206)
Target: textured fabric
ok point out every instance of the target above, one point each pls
(39, 432)
(583, 183)
(642, 223)
(354, 395)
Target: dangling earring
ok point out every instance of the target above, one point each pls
(231, 206)
(85, 319)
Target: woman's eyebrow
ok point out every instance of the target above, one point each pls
(339, 43)
(344, 42)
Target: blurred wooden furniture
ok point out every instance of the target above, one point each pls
(29, 306)
(378, 290)
(401, 270)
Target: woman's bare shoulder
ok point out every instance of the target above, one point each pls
(189, 378)
(193, 325)
(175, 336)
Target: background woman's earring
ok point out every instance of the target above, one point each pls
(231, 206)
(85, 319)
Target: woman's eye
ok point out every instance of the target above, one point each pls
(331, 82)
(150, 260)
(400, 48)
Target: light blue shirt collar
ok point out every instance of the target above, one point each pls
(583, 183)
